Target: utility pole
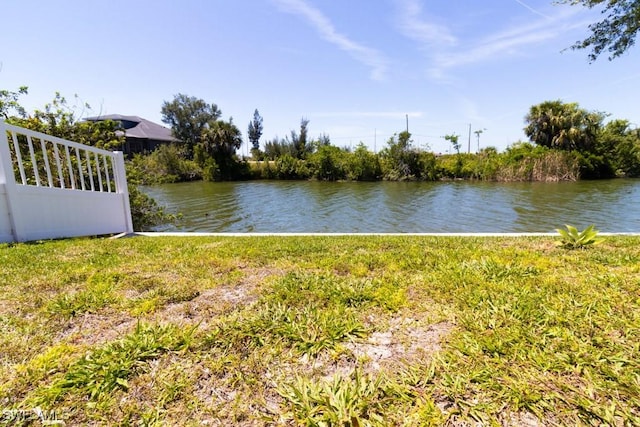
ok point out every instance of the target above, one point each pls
(469, 143)
(407, 123)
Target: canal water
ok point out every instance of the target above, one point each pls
(399, 207)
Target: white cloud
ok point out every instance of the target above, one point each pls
(368, 56)
(414, 26)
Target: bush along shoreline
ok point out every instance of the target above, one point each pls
(566, 143)
(520, 162)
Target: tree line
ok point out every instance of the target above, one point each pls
(566, 142)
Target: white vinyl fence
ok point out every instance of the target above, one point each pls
(54, 188)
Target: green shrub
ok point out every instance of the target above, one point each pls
(593, 166)
(447, 166)
(427, 164)
(328, 163)
(164, 165)
(363, 165)
(523, 161)
(145, 212)
(288, 167)
(210, 170)
(262, 169)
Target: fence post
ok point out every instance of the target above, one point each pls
(5, 156)
(7, 178)
(121, 188)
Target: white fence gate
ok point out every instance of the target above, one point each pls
(54, 188)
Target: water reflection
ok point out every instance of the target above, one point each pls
(292, 206)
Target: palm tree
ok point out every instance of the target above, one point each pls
(555, 124)
(220, 143)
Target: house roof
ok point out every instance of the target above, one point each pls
(137, 127)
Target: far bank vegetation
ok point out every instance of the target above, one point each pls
(566, 143)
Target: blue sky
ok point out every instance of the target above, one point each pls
(356, 69)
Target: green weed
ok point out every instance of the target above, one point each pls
(159, 297)
(98, 293)
(105, 369)
(571, 238)
(357, 400)
(308, 329)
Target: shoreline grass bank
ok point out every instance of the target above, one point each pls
(289, 330)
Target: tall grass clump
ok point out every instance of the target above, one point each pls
(98, 293)
(526, 162)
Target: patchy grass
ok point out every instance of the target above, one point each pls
(349, 331)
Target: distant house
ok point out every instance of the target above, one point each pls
(141, 135)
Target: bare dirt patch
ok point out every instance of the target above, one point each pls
(219, 300)
(97, 328)
(107, 325)
(405, 341)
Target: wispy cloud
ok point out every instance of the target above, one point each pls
(526, 6)
(414, 25)
(506, 43)
(445, 50)
(364, 54)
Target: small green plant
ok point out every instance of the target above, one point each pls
(571, 238)
(107, 368)
(357, 400)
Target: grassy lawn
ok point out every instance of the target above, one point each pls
(344, 331)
